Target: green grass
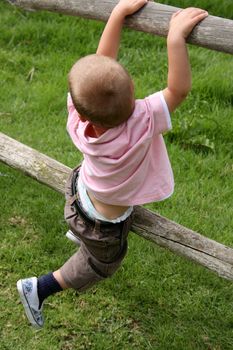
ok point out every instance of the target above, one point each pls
(157, 300)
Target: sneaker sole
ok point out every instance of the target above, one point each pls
(26, 306)
(73, 238)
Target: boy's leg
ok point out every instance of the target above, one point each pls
(57, 275)
(84, 269)
(103, 245)
(100, 255)
(93, 262)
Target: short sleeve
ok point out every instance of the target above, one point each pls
(157, 107)
(73, 118)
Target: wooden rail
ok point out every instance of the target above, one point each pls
(213, 33)
(151, 226)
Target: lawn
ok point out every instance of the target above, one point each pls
(157, 300)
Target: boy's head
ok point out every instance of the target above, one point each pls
(101, 90)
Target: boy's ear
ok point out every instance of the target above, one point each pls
(82, 118)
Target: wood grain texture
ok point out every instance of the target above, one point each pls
(213, 33)
(151, 226)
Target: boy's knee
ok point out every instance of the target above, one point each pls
(83, 270)
(104, 270)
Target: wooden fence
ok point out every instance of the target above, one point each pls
(214, 32)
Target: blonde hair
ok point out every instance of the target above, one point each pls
(101, 90)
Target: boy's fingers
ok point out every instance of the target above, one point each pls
(200, 16)
(176, 13)
(198, 12)
(194, 14)
(143, 2)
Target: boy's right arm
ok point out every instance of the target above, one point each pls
(110, 39)
(179, 71)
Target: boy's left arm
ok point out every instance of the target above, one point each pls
(179, 70)
(110, 39)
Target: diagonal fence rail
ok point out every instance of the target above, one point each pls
(149, 225)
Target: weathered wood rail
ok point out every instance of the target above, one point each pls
(168, 234)
(215, 33)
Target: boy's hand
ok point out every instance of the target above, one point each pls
(128, 7)
(183, 21)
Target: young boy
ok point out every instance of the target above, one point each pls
(125, 158)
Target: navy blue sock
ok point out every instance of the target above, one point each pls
(46, 286)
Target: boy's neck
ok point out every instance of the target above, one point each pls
(95, 131)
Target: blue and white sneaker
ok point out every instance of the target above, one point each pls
(27, 289)
(70, 235)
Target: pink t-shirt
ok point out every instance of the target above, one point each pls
(127, 165)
